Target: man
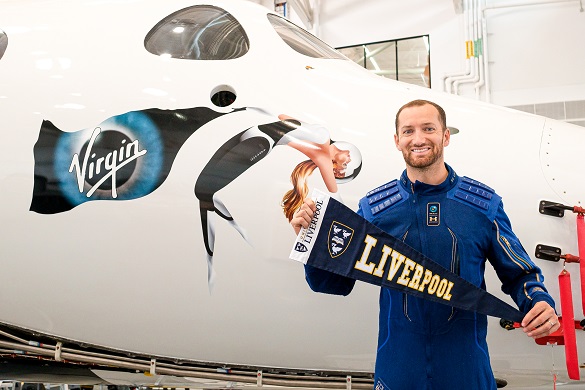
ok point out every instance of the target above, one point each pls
(459, 223)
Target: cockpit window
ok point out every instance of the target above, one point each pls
(200, 32)
(3, 43)
(301, 41)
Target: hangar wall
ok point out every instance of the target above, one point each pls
(536, 53)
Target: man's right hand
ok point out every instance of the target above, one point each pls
(302, 217)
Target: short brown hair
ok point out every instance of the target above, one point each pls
(419, 103)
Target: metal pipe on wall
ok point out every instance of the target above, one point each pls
(317, 18)
(488, 96)
(305, 12)
(473, 77)
(448, 79)
(475, 30)
(482, 69)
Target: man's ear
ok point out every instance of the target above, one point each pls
(396, 142)
(446, 137)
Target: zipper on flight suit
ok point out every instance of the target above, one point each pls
(404, 295)
(454, 262)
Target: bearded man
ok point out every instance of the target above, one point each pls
(459, 223)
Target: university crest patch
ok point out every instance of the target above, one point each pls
(300, 247)
(340, 236)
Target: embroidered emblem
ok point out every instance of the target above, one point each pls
(340, 236)
(433, 214)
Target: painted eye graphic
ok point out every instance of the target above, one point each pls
(125, 157)
(121, 159)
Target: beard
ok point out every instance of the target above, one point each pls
(420, 162)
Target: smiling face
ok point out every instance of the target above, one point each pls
(421, 137)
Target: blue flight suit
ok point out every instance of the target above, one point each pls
(459, 224)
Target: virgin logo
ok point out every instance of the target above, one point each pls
(105, 167)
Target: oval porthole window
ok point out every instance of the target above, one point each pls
(200, 32)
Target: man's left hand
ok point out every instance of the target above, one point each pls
(540, 321)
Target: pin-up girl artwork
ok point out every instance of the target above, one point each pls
(338, 162)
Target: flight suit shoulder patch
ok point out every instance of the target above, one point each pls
(477, 194)
(384, 197)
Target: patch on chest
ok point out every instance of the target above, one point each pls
(433, 214)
